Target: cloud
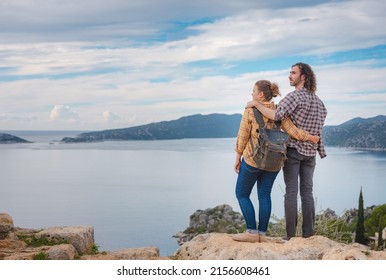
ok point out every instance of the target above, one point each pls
(63, 113)
(191, 60)
(256, 34)
(93, 20)
(110, 117)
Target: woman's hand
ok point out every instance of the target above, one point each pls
(237, 163)
(313, 138)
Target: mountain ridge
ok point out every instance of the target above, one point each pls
(194, 126)
(357, 133)
(361, 133)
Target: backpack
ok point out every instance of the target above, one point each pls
(270, 151)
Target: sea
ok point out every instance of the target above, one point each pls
(141, 193)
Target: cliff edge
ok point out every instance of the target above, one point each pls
(220, 246)
(70, 243)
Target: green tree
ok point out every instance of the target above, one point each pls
(360, 228)
(377, 217)
(380, 237)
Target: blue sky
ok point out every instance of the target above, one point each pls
(94, 64)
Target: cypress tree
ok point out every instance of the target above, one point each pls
(360, 228)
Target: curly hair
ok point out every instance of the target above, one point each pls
(310, 79)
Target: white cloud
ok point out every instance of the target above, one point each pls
(36, 20)
(108, 78)
(349, 90)
(254, 34)
(63, 113)
(110, 117)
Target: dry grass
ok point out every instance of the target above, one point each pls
(332, 228)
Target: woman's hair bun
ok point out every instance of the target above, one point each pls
(275, 89)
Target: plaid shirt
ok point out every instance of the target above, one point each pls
(248, 128)
(307, 112)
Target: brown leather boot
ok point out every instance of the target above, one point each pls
(246, 237)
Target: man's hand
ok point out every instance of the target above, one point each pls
(250, 104)
(269, 113)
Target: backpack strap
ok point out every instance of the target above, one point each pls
(259, 118)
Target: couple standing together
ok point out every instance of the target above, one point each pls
(302, 115)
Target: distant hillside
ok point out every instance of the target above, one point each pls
(196, 126)
(10, 139)
(358, 133)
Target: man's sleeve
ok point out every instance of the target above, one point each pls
(286, 107)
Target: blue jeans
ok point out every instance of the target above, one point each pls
(298, 174)
(248, 176)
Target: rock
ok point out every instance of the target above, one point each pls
(8, 247)
(328, 214)
(61, 252)
(219, 246)
(6, 225)
(81, 237)
(78, 240)
(220, 219)
(145, 253)
(208, 246)
(23, 255)
(354, 251)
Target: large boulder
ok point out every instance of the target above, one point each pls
(61, 252)
(218, 246)
(6, 225)
(81, 237)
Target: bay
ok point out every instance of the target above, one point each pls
(140, 193)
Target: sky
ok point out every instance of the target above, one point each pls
(96, 64)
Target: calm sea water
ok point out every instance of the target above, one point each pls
(140, 193)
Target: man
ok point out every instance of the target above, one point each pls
(307, 112)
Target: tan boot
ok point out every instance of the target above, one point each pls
(263, 238)
(246, 237)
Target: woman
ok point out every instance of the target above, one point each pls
(248, 174)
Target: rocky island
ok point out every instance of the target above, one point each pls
(11, 139)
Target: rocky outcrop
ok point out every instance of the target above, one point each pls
(27, 244)
(221, 219)
(69, 243)
(6, 225)
(219, 246)
(60, 243)
(81, 237)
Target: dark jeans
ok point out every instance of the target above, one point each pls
(248, 176)
(299, 167)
